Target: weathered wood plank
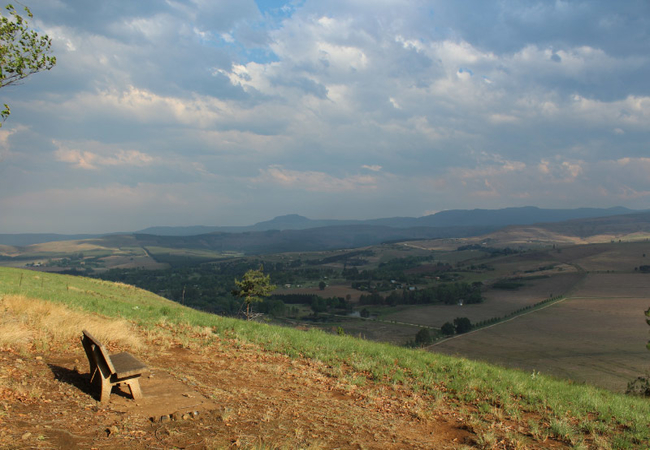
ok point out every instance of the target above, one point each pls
(127, 365)
(112, 369)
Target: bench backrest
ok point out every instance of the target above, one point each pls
(96, 351)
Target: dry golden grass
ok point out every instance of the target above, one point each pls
(13, 332)
(8, 250)
(25, 321)
(64, 246)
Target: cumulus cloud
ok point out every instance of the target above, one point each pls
(316, 181)
(85, 159)
(468, 104)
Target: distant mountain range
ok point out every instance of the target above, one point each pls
(297, 233)
(353, 236)
(476, 218)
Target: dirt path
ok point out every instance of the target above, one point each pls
(241, 397)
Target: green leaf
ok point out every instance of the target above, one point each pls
(23, 52)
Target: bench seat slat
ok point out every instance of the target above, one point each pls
(127, 365)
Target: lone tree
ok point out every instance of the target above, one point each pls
(252, 288)
(22, 51)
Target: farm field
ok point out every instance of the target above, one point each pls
(299, 387)
(334, 290)
(498, 303)
(374, 330)
(619, 257)
(596, 336)
(122, 252)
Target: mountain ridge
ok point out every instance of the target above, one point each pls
(526, 215)
(441, 224)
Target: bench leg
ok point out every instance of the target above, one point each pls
(134, 386)
(106, 391)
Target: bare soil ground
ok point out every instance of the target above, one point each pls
(597, 336)
(245, 397)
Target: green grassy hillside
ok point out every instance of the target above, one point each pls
(531, 408)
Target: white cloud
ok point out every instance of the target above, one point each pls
(316, 181)
(100, 155)
(495, 103)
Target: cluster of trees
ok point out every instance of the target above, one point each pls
(447, 293)
(317, 304)
(395, 269)
(491, 250)
(459, 326)
(494, 320)
(287, 275)
(509, 285)
(472, 267)
(349, 258)
(425, 337)
(207, 287)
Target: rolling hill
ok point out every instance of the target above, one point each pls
(476, 218)
(255, 385)
(627, 227)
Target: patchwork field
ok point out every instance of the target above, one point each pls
(498, 303)
(618, 257)
(392, 333)
(596, 336)
(335, 290)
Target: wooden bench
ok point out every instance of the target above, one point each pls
(122, 368)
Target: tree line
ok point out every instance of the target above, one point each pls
(445, 293)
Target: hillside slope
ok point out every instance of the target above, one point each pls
(256, 385)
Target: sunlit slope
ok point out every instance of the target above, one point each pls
(535, 408)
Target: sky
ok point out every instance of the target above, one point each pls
(218, 112)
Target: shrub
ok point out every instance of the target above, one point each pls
(462, 325)
(423, 337)
(448, 329)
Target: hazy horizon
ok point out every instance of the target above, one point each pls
(269, 219)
